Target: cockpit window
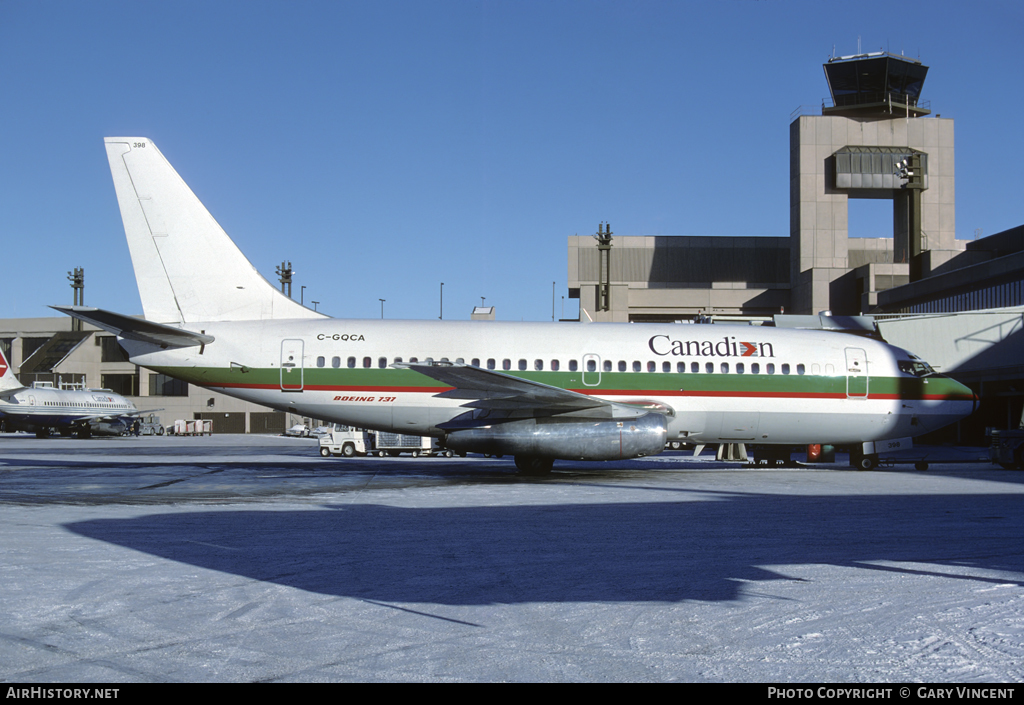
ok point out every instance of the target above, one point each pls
(918, 368)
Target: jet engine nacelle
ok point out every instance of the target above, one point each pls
(565, 439)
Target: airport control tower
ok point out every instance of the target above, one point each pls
(873, 139)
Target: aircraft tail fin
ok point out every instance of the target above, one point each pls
(187, 268)
(7, 379)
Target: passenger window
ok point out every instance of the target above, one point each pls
(755, 368)
(666, 366)
(460, 361)
(785, 368)
(694, 367)
(709, 367)
(367, 362)
(414, 359)
(800, 369)
(636, 365)
(398, 359)
(771, 368)
(522, 364)
(475, 362)
(651, 366)
(622, 365)
(538, 365)
(554, 365)
(506, 364)
(739, 368)
(382, 362)
(573, 365)
(491, 363)
(607, 365)
(335, 362)
(351, 362)
(321, 361)
(591, 365)
(725, 368)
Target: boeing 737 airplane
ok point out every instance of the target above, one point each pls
(537, 391)
(80, 411)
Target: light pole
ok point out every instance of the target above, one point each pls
(302, 296)
(314, 304)
(382, 308)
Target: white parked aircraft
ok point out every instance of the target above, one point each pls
(538, 391)
(80, 411)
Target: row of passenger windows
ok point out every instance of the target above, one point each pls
(590, 365)
(83, 405)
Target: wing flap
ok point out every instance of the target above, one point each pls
(489, 390)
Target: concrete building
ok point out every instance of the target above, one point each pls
(51, 350)
(852, 151)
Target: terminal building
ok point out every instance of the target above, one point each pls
(950, 301)
(874, 124)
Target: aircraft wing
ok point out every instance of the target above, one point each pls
(495, 391)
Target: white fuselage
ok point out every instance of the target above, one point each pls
(721, 383)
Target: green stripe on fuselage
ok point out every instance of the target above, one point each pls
(641, 382)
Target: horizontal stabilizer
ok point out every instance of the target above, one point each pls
(133, 328)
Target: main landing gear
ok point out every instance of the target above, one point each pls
(532, 465)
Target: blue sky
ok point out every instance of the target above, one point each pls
(386, 147)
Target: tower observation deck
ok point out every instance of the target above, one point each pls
(878, 85)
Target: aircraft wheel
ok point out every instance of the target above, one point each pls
(325, 451)
(348, 450)
(532, 465)
(921, 465)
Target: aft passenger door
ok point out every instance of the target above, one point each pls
(856, 374)
(291, 365)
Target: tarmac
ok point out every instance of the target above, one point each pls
(251, 558)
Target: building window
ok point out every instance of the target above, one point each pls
(164, 386)
(111, 350)
(126, 385)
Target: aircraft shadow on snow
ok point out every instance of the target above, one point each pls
(651, 552)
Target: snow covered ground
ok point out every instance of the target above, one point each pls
(252, 559)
